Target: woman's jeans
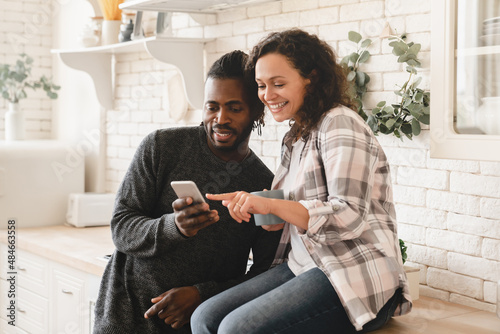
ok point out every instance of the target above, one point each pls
(277, 301)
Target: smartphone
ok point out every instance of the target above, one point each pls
(187, 189)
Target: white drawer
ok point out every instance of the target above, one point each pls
(33, 312)
(33, 273)
(5, 328)
(69, 306)
(4, 258)
(4, 299)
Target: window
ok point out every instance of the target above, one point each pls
(465, 79)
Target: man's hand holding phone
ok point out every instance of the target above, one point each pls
(191, 212)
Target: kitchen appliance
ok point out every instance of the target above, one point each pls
(90, 209)
(36, 177)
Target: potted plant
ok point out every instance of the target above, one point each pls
(14, 79)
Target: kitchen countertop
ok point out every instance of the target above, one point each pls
(79, 248)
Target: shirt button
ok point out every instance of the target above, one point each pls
(336, 208)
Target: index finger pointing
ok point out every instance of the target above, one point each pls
(221, 197)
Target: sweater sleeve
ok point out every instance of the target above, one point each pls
(134, 229)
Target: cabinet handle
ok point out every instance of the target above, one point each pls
(21, 310)
(69, 292)
(21, 268)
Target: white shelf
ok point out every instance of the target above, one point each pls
(184, 53)
(188, 6)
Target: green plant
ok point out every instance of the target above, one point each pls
(402, 118)
(403, 248)
(14, 79)
(351, 63)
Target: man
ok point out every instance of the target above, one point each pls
(172, 254)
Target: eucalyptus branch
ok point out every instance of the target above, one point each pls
(14, 79)
(404, 118)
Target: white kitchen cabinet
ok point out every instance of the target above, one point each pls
(69, 308)
(33, 273)
(6, 329)
(50, 297)
(31, 292)
(32, 312)
(465, 82)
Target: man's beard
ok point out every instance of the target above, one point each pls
(239, 140)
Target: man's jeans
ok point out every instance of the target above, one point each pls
(277, 301)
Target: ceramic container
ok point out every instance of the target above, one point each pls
(14, 123)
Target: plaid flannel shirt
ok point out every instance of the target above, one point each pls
(352, 233)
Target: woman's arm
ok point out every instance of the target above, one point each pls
(241, 204)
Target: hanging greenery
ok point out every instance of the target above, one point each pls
(413, 107)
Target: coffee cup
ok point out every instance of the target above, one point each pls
(268, 219)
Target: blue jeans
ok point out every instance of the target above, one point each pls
(277, 301)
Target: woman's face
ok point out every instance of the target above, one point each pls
(281, 87)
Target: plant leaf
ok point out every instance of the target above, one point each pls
(360, 78)
(425, 119)
(419, 97)
(354, 36)
(366, 43)
(390, 123)
(415, 127)
(414, 48)
(406, 128)
(353, 57)
(351, 76)
(365, 55)
(372, 123)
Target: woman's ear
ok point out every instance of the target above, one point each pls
(313, 76)
(313, 80)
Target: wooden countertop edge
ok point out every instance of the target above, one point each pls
(78, 248)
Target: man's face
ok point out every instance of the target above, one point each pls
(226, 117)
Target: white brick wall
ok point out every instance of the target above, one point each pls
(449, 210)
(26, 27)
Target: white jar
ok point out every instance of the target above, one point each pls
(14, 122)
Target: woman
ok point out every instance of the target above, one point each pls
(340, 267)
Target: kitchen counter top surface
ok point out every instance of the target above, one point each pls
(79, 248)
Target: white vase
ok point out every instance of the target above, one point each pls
(413, 276)
(110, 31)
(14, 122)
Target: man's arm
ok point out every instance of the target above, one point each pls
(134, 228)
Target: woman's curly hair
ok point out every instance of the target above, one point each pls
(315, 60)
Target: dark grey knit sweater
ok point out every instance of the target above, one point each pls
(151, 256)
